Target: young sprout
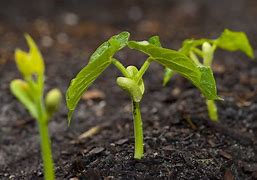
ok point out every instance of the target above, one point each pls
(29, 92)
(205, 48)
(132, 82)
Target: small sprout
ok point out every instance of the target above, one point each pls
(30, 93)
(52, 101)
(132, 80)
(229, 40)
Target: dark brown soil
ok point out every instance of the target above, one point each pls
(180, 141)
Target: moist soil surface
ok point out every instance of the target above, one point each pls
(180, 141)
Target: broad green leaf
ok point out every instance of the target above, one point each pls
(168, 73)
(207, 83)
(181, 64)
(21, 91)
(116, 42)
(98, 62)
(233, 41)
(169, 58)
(186, 49)
(32, 62)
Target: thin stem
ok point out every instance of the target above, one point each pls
(46, 151)
(143, 69)
(120, 67)
(211, 106)
(194, 58)
(212, 110)
(138, 131)
(198, 52)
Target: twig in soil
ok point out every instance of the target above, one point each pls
(89, 133)
(190, 122)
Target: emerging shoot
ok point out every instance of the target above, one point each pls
(29, 92)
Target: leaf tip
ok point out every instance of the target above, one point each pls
(220, 98)
(70, 113)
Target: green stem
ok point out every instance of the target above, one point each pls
(46, 151)
(143, 69)
(212, 110)
(194, 58)
(198, 52)
(120, 67)
(211, 106)
(138, 131)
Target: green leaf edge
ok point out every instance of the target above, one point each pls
(109, 48)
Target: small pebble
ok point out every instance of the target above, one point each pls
(121, 141)
(73, 178)
(47, 41)
(62, 38)
(70, 19)
(93, 94)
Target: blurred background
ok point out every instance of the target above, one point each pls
(68, 31)
(65, 24)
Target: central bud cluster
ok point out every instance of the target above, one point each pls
(133, 84)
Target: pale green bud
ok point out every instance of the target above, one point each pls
(206, 47)
(131, 87)
(53, 100)
(207, 53)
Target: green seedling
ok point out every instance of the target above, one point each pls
(132, 80)
(204, 49)
(30, 92)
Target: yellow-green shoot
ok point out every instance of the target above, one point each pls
(132, 80)
(30, 92)
(201, 51)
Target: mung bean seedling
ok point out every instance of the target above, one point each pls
(30, 92)
(132, 80)
(205, 48)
